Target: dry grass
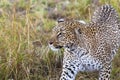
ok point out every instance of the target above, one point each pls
(25, 27)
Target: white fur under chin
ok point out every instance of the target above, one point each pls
(53, 48)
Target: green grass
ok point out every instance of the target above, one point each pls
(25, 27)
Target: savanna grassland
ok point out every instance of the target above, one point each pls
(25, 28)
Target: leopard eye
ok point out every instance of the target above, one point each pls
(59, 35)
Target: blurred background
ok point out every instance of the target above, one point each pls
(25, 28)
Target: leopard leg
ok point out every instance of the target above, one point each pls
(69, 71)
(104, 73)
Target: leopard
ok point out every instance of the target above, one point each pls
(89, 46)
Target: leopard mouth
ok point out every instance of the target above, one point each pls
(55, 48)
(59, 47)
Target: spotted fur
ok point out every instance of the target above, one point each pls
(88, 47)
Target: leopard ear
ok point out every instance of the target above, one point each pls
(60, 20)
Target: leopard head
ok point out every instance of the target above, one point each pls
(64, 35)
